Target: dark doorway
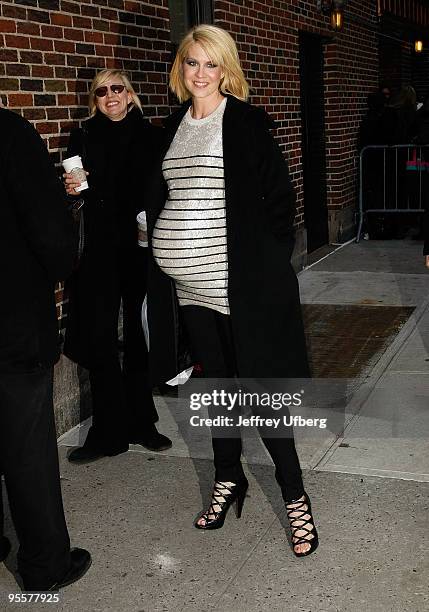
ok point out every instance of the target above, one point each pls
(186, 13)
(313, 140)
(391, 63)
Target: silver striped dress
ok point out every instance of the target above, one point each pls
(189, 238)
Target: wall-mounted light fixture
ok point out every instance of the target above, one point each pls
(337, 20)
(418, 46)
(334, 8)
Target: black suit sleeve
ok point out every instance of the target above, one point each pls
(273, 173)
(39, 200)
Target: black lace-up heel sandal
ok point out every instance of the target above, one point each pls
(224, 495)
(301, 521)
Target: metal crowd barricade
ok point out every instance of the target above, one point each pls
(392, 179)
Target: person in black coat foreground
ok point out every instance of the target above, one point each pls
(37, 249)
(220, 222)
(117, 145)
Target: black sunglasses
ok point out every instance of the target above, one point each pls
(100, 92)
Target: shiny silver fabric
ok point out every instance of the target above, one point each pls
(189, 238)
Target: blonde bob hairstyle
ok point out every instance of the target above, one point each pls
(103, 76)
(222, 50)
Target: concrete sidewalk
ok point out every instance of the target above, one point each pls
(388, 418)
(369, 488)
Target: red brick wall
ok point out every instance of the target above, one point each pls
(267, 36)
(50, 51)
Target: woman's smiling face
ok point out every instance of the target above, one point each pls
(113, 105)
(201, 76)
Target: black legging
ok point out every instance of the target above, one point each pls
(212, 345)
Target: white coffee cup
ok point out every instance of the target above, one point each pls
(142, 229)
(73, 165)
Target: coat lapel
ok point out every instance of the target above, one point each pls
(233, 139)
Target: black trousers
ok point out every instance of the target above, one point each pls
(212, 345)
(29, 462)
(122, 403)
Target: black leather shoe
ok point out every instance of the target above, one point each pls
(4, 548)
(87, 454)
(80, 564)
(153, 441)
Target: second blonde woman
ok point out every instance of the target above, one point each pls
(117, 146)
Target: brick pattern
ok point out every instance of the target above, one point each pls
(51, 49)
(416, 11)
(267, 36)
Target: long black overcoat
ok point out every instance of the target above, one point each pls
(118, 156)
(262, 286)
(37, 247)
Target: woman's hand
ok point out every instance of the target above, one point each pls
(70, 183)
(427, 261)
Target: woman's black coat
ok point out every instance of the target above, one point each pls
(118, 156)
(262, 286)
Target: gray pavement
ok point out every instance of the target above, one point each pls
(388, 430)
(369, 488)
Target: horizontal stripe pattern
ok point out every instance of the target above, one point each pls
(189, 238)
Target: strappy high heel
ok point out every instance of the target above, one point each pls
(223, 497)
(298, 522)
